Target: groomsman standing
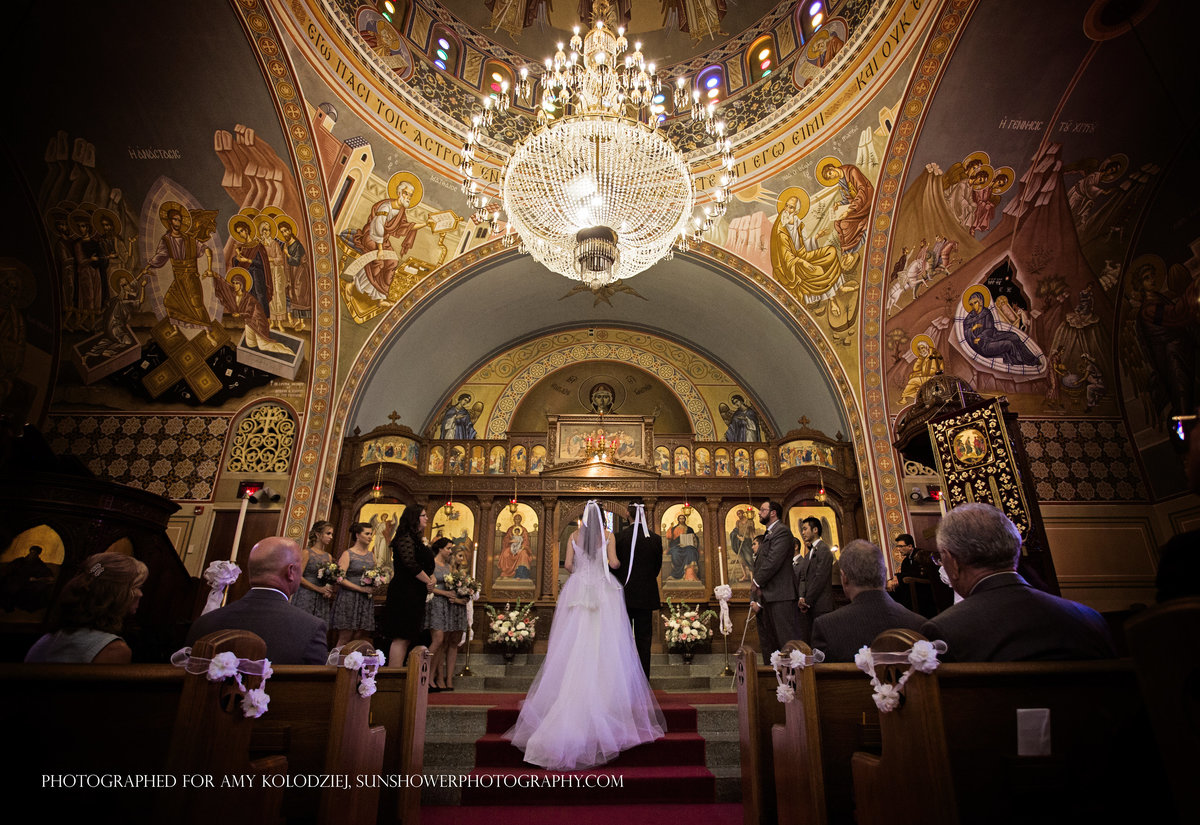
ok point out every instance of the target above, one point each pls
(773, 591)
(640, 583)
(814, 577)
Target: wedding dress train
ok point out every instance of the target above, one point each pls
(590, 700)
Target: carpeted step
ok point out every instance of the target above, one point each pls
(614, 786)
(679, 718)
(493, 751)
(606, 815)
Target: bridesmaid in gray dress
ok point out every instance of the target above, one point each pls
(316, 594)
(354, 610)
(446, 618)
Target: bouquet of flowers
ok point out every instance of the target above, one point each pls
(374, 578)
(686, 626)
(463, 586)
(512, 627)
(330, 573)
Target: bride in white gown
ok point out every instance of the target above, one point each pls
(590, 700)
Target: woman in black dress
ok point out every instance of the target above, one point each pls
(404, 612)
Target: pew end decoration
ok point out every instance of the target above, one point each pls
(685, 627)
(227, 665)
(786, 662)
(363, 660)
(219, 575)
(921, 657)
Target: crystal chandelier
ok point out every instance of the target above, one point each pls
(598, 194)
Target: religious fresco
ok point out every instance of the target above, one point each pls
(29, 569)
(458, 525)
(683, 547)
(1008, 253)
(623, 442)
(383, 519)
(392, 228)
(827, 517)
(163, 303)
(516, 548)
(805, 453)
(395, 449)
(741, 526)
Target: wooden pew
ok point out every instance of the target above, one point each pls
(117, 720)
(298, 726)
(949, 753)
(796, 756)
(1169, 677)
(211, 736)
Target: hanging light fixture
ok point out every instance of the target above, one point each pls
(377, 490)
(821, 495)
(596, 193)
(512, 504)
(449, 508)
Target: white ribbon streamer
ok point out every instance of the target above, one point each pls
(639, 517)
(219, 575)
(724, 592)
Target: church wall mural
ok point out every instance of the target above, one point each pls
(254, 227)
(1013, 233)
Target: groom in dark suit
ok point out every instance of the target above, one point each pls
(641, 585)
(293, 636)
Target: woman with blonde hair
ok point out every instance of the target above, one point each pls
(316, 592)
(90, 611)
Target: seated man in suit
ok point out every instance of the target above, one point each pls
(1001, 618)
(293, 636)
(871, 611)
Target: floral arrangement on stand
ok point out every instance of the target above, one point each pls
(512, 627)
(685, 627)
(330, 573)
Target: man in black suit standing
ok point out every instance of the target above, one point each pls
(773, 589)
(640, 582)
(814, 577)
(1001, 618)
(293, 636)
(871, 611)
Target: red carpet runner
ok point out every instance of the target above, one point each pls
(668, 771)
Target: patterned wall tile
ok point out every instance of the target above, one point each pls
(175, 456)
(1082, 460)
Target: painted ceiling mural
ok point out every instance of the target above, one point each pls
(920, 191)
(183, 241)
(1010, 258)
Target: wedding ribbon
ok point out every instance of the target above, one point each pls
(785, 671)
(226, 665)
(922, 656)
(639, 517)
(219, 575)
(724, 592)
(367, 667)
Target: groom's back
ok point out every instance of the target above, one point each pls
(642, 588)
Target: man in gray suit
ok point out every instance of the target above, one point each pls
(814, 577)
(293, 636)
(871, 611)
(773, 590)
(1001, 618)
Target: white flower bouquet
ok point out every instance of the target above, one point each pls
(513, 626)
(686, 626)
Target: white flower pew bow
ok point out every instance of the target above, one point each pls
(367, 667)
(724, 593)
(785, 671)
(225, 666)
(922, 656)
(219, 575)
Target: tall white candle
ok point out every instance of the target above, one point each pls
(474, 558)
(721, 564)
